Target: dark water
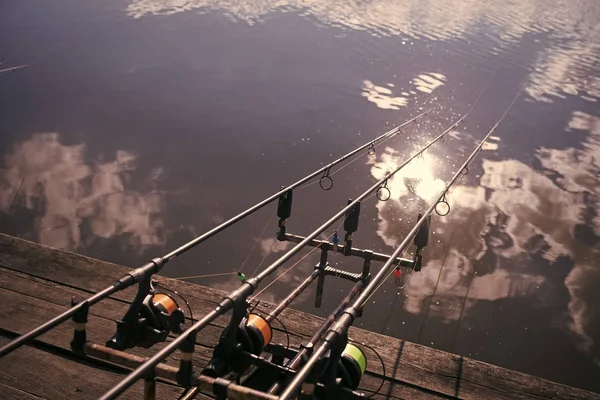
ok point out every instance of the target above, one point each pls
(139, 124)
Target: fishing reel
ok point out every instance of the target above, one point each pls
(254, 334)
(251, 335)
(150, 319)
(351, 367)
(343, 370)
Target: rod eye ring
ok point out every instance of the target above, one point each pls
(326, 182)
(437, 211)
(371, 150)
(465, 171)
(383, 193)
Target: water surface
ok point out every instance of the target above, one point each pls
(140, 124)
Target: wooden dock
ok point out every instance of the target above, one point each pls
(37, 283)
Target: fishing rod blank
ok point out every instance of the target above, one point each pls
(156, 264)
(343, 323)
(18, 67)
(238, 297)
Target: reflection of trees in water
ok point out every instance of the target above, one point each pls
(77, 193)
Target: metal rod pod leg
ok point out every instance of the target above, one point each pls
(204, 383)
(150, 389)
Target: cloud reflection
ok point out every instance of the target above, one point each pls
(566, 67)
(76, 193)
(382, 96)
(515, 213)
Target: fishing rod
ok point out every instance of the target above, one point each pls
(141, 275)
(237, 299)
(336, 338)
(15, 68)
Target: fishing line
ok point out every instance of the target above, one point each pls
(247, 257)
(257, 240)
(387, 320)
(37, 204)
(12, 203)
(159, 284)
(295, 264)
(205, 276)
(287, 270)
(382, 282)
(462, 310)
(401, 287)
(265, 257)
(435, 288)
(483, 90)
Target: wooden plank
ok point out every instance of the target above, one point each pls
(11, 393)
(478, 379)
(417, 371)
(395, 390)
(40, 374)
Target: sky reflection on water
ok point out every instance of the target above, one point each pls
(141, 124)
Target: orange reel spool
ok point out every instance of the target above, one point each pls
(259, 331)
(166, 312)
(164, 303)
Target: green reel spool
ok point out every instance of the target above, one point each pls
(354, 362)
